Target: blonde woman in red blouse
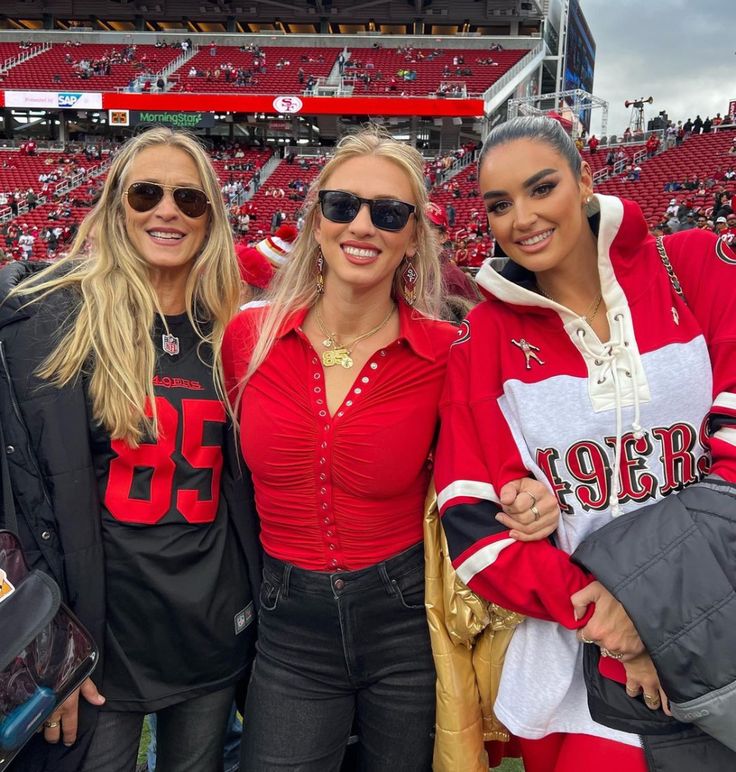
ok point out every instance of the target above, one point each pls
(337, 382)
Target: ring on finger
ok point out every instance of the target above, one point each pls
(617, 655)
(535, 512)
(533, 498)
(632, 692)
(51, 724)
(585, 640)
(652, 700)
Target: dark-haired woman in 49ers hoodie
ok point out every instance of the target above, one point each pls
(586, 367)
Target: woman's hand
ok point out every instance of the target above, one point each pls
(642, 678)
(610, 626)
(62, 725)
(530, 510)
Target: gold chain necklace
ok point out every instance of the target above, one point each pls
(338, 354)
(592, 310)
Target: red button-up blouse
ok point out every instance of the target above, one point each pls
(343, 491)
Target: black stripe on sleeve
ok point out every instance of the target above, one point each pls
(465, 524)
(718, 421)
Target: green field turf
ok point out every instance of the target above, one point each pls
(511, 765)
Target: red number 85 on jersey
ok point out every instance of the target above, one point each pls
(157, 456)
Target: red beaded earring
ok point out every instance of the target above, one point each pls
(409, 277)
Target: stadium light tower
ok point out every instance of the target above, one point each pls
(573, 104)
(636, 121)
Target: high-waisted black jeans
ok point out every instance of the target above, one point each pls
(336, 650)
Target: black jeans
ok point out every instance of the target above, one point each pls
(338, 649)
(189, 736)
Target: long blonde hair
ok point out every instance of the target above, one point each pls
(110, 338)
(295, 285)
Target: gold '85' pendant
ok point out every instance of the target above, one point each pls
(337, 356)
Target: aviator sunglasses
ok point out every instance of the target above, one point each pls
(143, 196)
(387, 214)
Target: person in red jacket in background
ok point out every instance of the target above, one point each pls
(255, 272)
(478, 251)
(455, 281)
(259, 262)
(652, 145)
(461, 252)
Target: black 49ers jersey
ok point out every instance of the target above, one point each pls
(178, 598)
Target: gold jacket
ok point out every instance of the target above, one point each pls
(469, 640)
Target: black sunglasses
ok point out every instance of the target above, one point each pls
(143, 196)
(387, 214)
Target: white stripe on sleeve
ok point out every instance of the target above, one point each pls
(471, 488)
(727, 434)
(725, 399)
(483, 558)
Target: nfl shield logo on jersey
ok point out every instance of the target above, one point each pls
(170, 344)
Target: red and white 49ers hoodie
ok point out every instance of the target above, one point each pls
(609, 427)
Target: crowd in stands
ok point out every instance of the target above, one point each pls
(250, 67)
(239, 76)
(257, 207)
(706, 201)
(18, 242)
(87, 68)
(97, 66)
(40, 220)
(138, 68)
(717, 214)
(436, 170)
(279, 201)
(453, 90)
(407, 70)
(706, 126)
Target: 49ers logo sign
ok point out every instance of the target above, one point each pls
(287, 104)
(585, 473)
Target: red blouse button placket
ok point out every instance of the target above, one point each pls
(324, 490)
(325, 512)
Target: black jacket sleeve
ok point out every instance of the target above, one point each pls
(672, 565)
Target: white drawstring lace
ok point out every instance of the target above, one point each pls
(616, 357)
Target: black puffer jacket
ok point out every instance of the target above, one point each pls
(46, 432)
(672, 565)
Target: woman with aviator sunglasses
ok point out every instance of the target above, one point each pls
(125, 475)
(336, 382)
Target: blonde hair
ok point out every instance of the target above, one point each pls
(110, 337)
(295, 285)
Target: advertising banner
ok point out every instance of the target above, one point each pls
(173, 119)
(54, 100)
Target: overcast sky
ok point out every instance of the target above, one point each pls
(681, 52)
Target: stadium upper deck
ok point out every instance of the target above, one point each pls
(190, 73)
(421, 17)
